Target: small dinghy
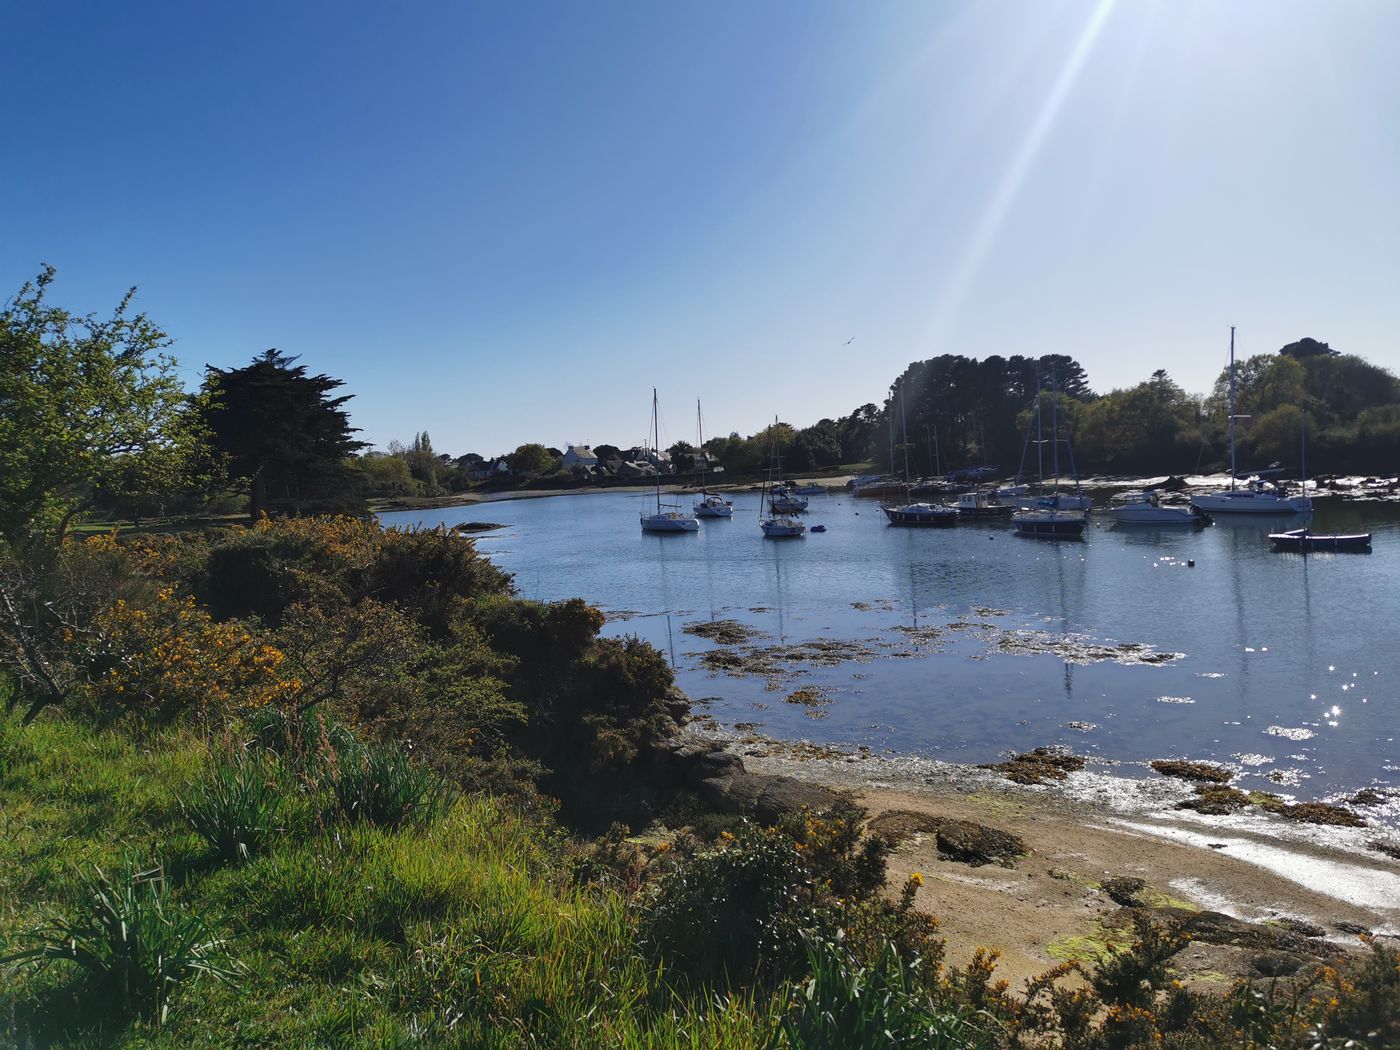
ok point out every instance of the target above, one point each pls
(1303, 540)
(818, 528)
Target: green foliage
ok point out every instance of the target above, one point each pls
(284, 438)
(732, 915)
(530, 459)
(844, 1004)
(380, 785)
(133, 944)
(235, 809)
(89, 406)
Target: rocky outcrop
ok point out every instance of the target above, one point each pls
(720, 779)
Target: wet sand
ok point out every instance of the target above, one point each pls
(1050, 906)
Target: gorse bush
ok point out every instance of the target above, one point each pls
(732, 915)
(235, 809)
(130, 941)
(382, 786)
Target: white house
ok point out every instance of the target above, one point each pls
(578, 456)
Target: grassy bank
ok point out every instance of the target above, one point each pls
(465, 930)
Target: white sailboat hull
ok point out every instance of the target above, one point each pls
(1147, 514)
(1248, 501)
(669, 521)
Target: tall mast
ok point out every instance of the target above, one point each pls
(656, 448)
(904, 433)
(1039, 439)
(1055, 429)
(1232, 408)
(700, 437)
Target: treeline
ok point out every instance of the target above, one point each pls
(1337, 410)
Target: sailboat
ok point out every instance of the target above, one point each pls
(1047, 517)
(668, 517)
(777, 525)
(782, 499)
(710, 505)
(915, 513)
(1257, 496)
(1060, 500)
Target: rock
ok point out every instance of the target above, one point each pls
(1354, 928)
(1215, 800)
(959, 840)
(1038, 766)
(1276, 964)
(1125, 890)
(1176, 767)
(764, 797)
(1321, 813)
(1213, 927)
(1390, 849)
(476, 526)
(1302, 927)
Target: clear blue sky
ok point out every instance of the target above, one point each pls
(507, 221)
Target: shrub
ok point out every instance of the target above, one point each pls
(380, 785)
(132, 943)
(733, 914)
(172, 657)
(235, 809)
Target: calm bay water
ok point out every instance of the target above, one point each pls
(1289, 670)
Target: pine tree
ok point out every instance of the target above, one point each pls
(284, 436)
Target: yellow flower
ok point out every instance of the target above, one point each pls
(916, 878)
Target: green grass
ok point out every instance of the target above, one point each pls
(462, 931)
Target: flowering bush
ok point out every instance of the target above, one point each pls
(172, 657)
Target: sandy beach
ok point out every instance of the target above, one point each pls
(1050, 905)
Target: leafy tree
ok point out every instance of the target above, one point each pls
(384, 475)
(283, 435)
(87, 406)
(530, 460)
(607, 452)
(1309, 347)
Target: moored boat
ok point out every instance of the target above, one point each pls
(1050, 521)
(1303, 540)
(1147, 508)
(710, 505)
(1257, 496)
(666, 517)
(928, 514)
(778, 524)
(982, 504)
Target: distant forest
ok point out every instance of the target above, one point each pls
(959, 412)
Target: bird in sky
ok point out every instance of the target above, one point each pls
(849, 341)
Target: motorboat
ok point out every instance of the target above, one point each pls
(1302, 540)
(809, 490)
(666, 517)
(1147, 508)
(980, 503)
(1257, 496)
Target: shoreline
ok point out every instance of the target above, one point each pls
(1348, 488)
(1050, 906)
